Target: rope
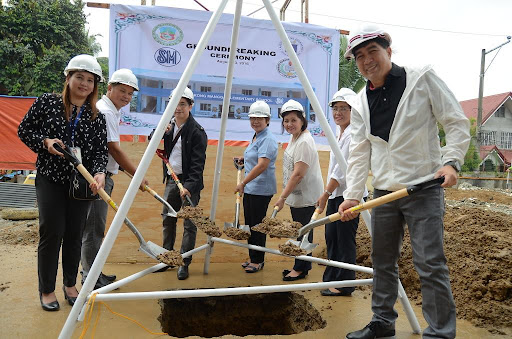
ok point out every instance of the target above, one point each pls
(88, 316)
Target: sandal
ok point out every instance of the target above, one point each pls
(245, 264)
(252, 269)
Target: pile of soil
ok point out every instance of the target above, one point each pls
(189, 212)
(290, 249)
(278, 228)
(206, 225)
(478, 248)
(237, 233)
(171, 258)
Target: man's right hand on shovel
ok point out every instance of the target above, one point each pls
(345, 205)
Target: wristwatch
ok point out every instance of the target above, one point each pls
(454, 163)
(328, 193)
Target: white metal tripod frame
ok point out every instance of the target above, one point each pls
(129, 196)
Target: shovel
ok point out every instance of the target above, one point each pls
(161, 154)
(150, 248)
(305, 244)
(170, 211)
(374, 203)
(236, 224)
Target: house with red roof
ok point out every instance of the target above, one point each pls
(496, 130)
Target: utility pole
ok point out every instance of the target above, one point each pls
(481, 93)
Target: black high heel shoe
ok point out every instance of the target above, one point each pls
(50, 307)
(71, 300)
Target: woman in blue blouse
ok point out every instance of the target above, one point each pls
(259, 184)
(68, 119)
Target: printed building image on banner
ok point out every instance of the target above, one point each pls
(156, 43)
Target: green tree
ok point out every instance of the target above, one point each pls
(102, 89)
(349, 76)
(472, 157)
(37, 39)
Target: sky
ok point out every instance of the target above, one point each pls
(448, 34)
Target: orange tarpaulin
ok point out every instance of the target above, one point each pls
(14, 155)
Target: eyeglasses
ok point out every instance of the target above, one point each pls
(341, 109)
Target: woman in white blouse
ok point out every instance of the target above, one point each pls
(302, 177)
(340, 237)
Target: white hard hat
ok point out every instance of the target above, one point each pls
(362, 34)
(126, 77)
(84, 62)
(186, 94)
(292, 105)
(344, 94)
(259, 109)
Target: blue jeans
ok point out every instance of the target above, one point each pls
(423, 213)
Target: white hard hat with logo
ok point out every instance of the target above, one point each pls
(84, 62)
(344, 94)
(292, 105)
(186, 94)
(126, 77)
(362, 34)
(259, 109)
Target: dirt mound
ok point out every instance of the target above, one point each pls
(20, 232)
(478, 247)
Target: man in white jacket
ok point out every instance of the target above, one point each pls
(394, 133)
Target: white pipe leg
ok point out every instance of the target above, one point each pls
(127, 201)
(210, 292)
(224, 120)
(317, 108)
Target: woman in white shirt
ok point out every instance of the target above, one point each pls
(340, 237)
(302, 177)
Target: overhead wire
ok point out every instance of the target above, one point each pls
(389, 24)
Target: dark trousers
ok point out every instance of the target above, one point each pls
(95, 229)
(423, 212)
(172, 195)
(303, 215)
(340, 238)
(61, 222)
(255, 209)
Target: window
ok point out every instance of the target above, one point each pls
(488, 138)
(205, 107)
(266, 93)
(245, 109)
(206, 89)
(500, 113)
(506, 140)
(247, 91)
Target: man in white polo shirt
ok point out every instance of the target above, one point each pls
(119, 94)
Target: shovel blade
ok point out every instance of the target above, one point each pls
(152, 249)
(245, 228)
(228, 225)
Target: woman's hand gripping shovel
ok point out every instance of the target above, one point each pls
(374, 203)
(235, 230)
(304, 244)
(150, 248)
(170, 211)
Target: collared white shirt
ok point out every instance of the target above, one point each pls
(335, 171)
(175, 157)
(112, 117)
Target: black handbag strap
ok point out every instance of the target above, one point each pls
(175, 140)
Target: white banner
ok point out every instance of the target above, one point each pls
(157, 42)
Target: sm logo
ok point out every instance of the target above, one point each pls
(167, 57)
